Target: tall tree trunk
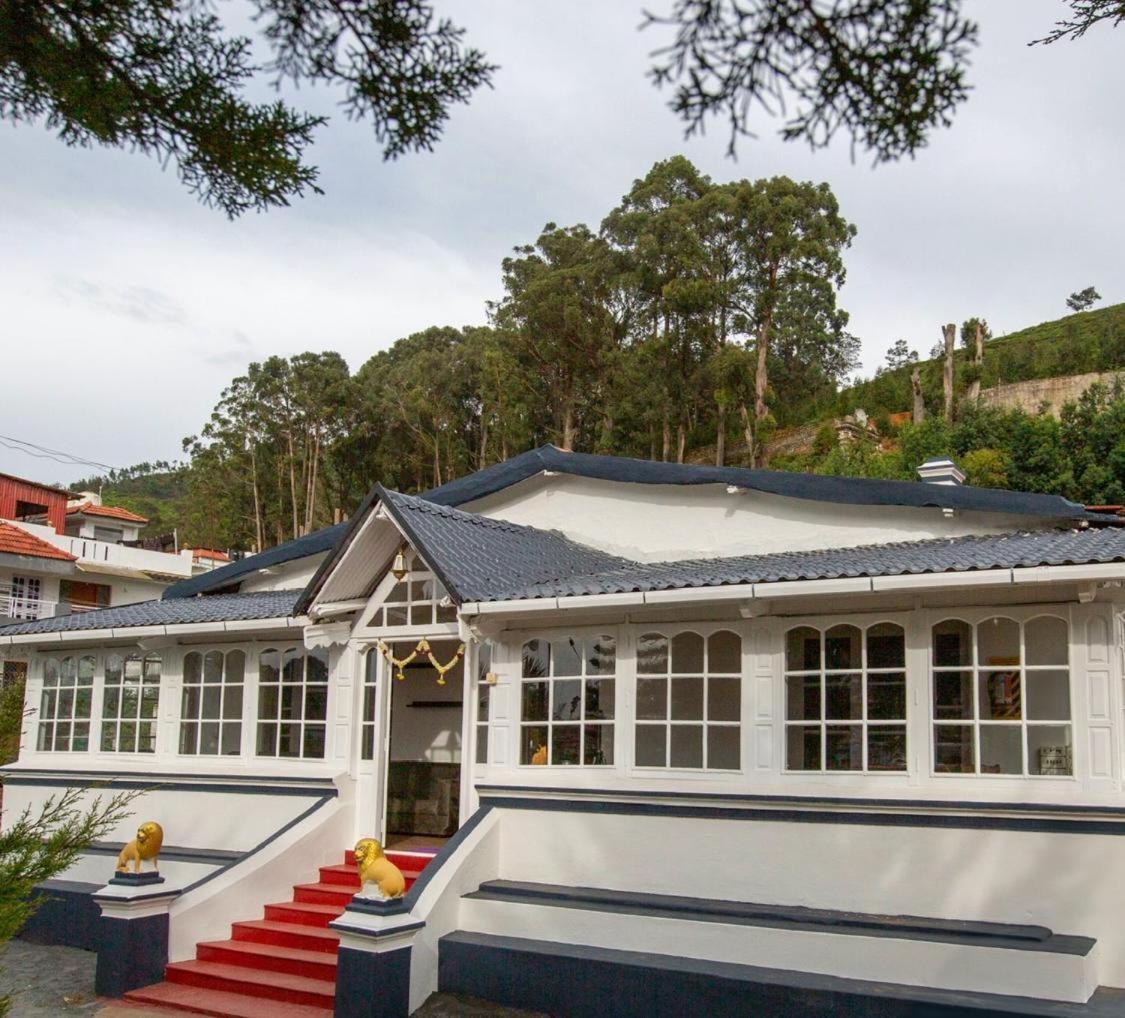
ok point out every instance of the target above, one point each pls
(568, 427)
(949, 332)
(437, 461)
(761, 383)
(259, 536)
(293, 482)
(978, 362)
(919, 402)
(681, 441)
(666, 446)
(747, 428)
(482, 457)
(721, 438)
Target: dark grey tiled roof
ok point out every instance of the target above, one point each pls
(316, 543)
(481, 559)
(272, 604)
(472, 553)
(847, 490)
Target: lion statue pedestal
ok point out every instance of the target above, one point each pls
(144, 847)
(379, 878)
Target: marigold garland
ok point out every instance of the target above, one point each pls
(423, 647)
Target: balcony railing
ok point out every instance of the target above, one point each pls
(21, 608)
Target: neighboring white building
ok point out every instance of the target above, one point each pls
(693, 739)
(63, 553)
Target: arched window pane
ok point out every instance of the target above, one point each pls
(724, 653)
(687, 654)
(802, 649)
(886, 646)
(842, 648)
(1045, 641)
(652, 654)
(998, 642)
(952, 644)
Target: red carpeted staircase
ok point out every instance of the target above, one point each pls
(280, 966)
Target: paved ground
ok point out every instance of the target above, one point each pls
(56, 982)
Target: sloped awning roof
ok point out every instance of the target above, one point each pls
(271, 604)
(17, 541)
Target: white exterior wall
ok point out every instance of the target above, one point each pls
(287, 576)
(662, 522)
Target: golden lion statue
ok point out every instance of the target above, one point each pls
(375, 868)
(146, 845)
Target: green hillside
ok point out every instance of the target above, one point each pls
(1074, 345)
(158, 495)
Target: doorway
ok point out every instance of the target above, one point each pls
(423, 766)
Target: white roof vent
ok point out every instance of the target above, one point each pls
(940, 470)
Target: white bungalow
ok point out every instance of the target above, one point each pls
(680, 738)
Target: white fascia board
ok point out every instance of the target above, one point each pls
(138, 632)
(32, 638)
(936, 581)
(1056, 574)
(731, 592)
(342, 607)
(537, 604)
(805, 588)
(599, 600)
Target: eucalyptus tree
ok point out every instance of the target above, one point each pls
(557, 310)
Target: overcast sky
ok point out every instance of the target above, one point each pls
(127, 306)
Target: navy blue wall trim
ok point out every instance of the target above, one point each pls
(796, 814)
(66, 914)
(372, 985)
(1010, 936)
(172, 853)
(238, 784)
(451, 846)
(569, 981)
(131, 953)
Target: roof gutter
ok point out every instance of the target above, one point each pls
(913, 582)
(148, 632)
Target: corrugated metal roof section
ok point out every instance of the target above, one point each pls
(316, 543)
(847, 490)
(271, 604)
(482, 559)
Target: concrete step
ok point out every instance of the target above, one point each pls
(304, 913)
(915, 951)
(219, 1004)
(270, 958)
(234, 979)
(323, 894)
(298, 935)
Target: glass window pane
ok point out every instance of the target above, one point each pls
(86, 665)
(567, 656)
(421, 614)
(213, 666)
(127, 737)
(1000, 696)
(110, 702)
(564, 743)
(802, 747)
(687, 653)
(724, 699)
(687, 746)
(267, 739)
(445, 612)
(289, 740)
(236, 666)
(132, 670)
(269, 666)
(189, 734)
(724, 653)
(600, 699)
(802, 650)
(313, 748)
(534, 701)
(886, 696)
(66, 703)
(209, 738)
(316, 665)
(395, 615)
(886, 748)
(802, 697)
(723, 747)
(50, 672)
(953, 644)
(109, 737)
(1049, 749)
(1001, 749)
(1044, 641)
(533, 745)
(842, 648)
(83, 701)
(268, 702)
(292, 666)
(536, 659)
(232, 739)
(652, 699)
(998, 642)
(212, 701)
(566, 700)
(1048, 695)
(47, 703)
(150, 697)
(44, 743)
(844, 747)
(232, 702)
(843, 696)
(953, 695)
(651, 748)
(953, 749)
(291, 703)
(193, 668)
(886, 646)
(316, 703)
(687, 699)
(652, 654)
(597, 748)
(81, 741)
(481, 755)
(601, 655)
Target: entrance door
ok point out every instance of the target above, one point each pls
(423, 767)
